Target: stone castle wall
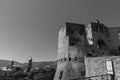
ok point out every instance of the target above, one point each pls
(76, 42)
(96, 66)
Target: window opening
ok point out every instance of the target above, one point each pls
(100, 44)
(69, 58)
(64, 59)
(89, 55)
(60, 76)
(75, 58)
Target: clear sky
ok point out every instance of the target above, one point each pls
(30, 27)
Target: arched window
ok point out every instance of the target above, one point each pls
(100, 44)
(89, 55)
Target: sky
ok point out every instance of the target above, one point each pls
(30, 27)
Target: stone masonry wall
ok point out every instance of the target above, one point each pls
(96, 66)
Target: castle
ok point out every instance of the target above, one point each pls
(85, 51)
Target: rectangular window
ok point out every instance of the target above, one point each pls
(109, 66)
(60, 76)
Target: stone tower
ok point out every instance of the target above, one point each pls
(29, 67)
(71, 50)
(98, 39)
(12, 63)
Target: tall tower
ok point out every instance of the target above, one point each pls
(98, 38)
(71, 50)
(29, 67)
(12, 63)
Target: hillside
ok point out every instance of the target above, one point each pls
(53, 64)
(35, 64)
